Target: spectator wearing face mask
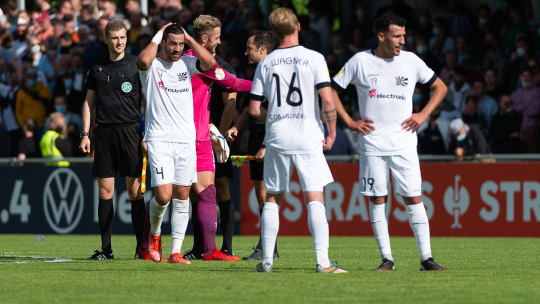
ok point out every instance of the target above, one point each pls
(9, 85)
(505, 127)
(526, 101)
(32, 99)
(60, 106)
(519, 60)
(467, 139)
(53, 143)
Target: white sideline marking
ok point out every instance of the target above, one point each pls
(35, 259)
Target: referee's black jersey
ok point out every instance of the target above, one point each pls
(117, 86)
(216, 100)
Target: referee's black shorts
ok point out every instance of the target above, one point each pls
(255, 142)
(118, 150)
(224, 169)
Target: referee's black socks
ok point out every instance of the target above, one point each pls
(138, 214)
(226, 217)
(105, 216)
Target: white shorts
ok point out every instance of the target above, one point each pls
(172, 163)
(312, 168)
(406, 177)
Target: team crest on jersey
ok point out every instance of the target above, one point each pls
(402, 81)
(372, 93)
(126, 87)
(220, 74)
(182, 76)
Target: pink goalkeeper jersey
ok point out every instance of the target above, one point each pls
(201, 85)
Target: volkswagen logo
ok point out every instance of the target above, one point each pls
(63, 200)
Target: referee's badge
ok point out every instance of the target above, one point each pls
(220, 74)
(126, 87)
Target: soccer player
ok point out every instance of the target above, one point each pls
(385, 79)
(114, 95)
(258, 45)
(290, 78)
(207, 32)
(170, 130)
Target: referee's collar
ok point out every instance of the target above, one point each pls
(117, 61)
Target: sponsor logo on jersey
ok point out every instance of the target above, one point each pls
(402, 81)
(373, 94)
(220, 74)
(182, 76)
(162, 86)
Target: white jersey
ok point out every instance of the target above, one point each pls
(289, 79)
(169, 100)
(385, 88)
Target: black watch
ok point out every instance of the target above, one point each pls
(83, 134)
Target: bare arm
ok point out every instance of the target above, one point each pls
(88, 109)
(206, 59)
(229, 111)
(364, 125)
(330, 115)
(439, 90)
(256, 111)
(240, 125)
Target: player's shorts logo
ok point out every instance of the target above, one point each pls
(456, 201)
(63, 200)
(126, 87)
(220, 74)
(372, 93)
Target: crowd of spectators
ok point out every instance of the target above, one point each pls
(487, 55)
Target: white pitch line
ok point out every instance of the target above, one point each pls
(35, 258)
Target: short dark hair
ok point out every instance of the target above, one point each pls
(114, 25)
(265, 38)
(383, 22)
(174, 28)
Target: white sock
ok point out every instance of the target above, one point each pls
(318, 226)
(156, 216)
(420, 225)
(269, 230)
(179, 223)
(379, 225)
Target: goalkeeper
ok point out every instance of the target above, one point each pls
(258, 45)
(203, 193)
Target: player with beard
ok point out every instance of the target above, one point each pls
(165, 119)
(385, 79)
(258, 45)
(114, 99)
(207, 31)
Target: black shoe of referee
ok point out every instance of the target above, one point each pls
(100, 254)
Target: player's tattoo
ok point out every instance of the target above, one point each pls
(330, 114)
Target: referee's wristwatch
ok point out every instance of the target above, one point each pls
(83, 134)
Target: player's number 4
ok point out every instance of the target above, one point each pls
(292, 90)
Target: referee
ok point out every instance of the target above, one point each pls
(114, 100)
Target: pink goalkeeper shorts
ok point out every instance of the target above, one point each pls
(205, 156)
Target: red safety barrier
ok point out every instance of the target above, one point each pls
(461, 199)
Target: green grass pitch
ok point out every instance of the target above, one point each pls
(482, 270)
